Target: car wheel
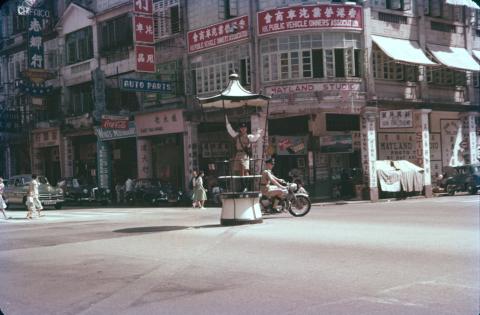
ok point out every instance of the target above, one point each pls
(472, 190)
(451, 190)
(58, 206)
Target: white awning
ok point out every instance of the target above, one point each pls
(454, 57)
(476, 53)
(468, 3)
(403, 50)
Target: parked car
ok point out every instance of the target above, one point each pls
(462, 178)
(153, 192)
(76, 191)
(17, 190)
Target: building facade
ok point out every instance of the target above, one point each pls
(351, 83)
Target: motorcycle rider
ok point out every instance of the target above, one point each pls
(270, 185)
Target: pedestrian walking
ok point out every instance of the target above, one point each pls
(3, 206)
(35, 200)
(199, 192)
(191, 186)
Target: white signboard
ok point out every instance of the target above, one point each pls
(397, 146)
(312, 87)
(435, 147)
(396, 119)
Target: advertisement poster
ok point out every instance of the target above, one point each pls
(336, 144)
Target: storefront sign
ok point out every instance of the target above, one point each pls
(219, 34)
(435, 147)
(104, 164)
(397, 146)
(143, 27)
(80, 122)
(114, 134)
(336, 144)
(29, 11)
(46, 138)
(320, 16)
(35, 43)
(453, 142)
(145, 58)
(215, 149)
(144, 158)
(312, 87)
(290, 145)
(151, 86)
(32, 88)
(159, 123)
(68, 157)
(114, 122)
(396, 119)
(143, 6)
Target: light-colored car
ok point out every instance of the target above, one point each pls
(16, 191)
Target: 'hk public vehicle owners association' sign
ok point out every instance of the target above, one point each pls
(320, 16)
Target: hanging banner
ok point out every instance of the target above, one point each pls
(320, 16)
(145, 58)
(143, 27)
(35, 43)
(32, 88)
(218, 34)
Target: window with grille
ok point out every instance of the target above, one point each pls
(166, 18)
(171, 72)
(116, 35)
(310, 56)
(386, 68)
(445, 76)
(211, 73)
(79, 45)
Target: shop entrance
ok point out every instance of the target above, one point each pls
(85, 159)
(51, 164)
(124, 159)
(167, 154)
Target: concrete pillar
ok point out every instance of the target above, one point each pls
(144, 158)
(423, 148)
(470, 135)
(66, 157)
(190, 149)
(369, 150)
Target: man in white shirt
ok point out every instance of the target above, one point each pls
(33, 201)
(243, 147)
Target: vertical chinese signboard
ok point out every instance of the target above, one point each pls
(36, 22)
(144, 34)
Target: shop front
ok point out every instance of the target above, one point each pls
(160, 147)
(120, 153)
(46, 153)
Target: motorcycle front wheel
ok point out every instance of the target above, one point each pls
(300, 207)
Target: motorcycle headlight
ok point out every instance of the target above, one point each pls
(293, 187)
(85, 191)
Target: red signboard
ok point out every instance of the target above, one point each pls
(114, 122)
(319, 16)
(219, 34)
(143, 27)
(145, 58)
(143, 6)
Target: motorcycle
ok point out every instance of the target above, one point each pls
(296, 202)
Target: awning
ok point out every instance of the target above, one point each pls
(476, 53)
(454, 57)
(402, 50)
(467, 3)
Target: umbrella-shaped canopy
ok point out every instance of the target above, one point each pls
(234, 96)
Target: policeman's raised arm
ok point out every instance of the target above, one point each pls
(230, 130)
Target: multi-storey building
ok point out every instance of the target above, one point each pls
(351, 83)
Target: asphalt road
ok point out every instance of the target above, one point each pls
(407, 257)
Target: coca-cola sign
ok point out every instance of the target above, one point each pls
(114, 122)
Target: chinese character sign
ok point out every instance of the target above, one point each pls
(143, 27)
(145, 58)
(143, 6)
(35, 43)
(321, 16)
(219, 34)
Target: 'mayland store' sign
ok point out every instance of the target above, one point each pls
(320, 16)
(219, 34)
(311, 87)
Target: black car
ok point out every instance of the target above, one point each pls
(77, 191)
(151, 191)
(462, 178)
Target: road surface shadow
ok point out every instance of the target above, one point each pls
(151, 229)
